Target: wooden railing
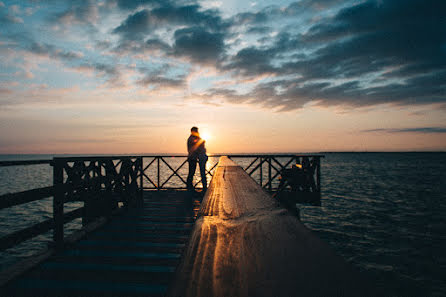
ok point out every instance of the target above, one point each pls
(105, 183)
(267, 169)
(100, 182)
(13, 199)
(264, 168)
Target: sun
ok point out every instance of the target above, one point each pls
(206, 136)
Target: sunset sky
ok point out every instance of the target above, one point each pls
(120, 76)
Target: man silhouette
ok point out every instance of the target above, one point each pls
(196, 152)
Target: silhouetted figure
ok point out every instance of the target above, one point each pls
(196, 152)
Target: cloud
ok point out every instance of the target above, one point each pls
(110, 72)
(271, 13)
(157, 44)
(144, 22)
(133, 4)
(10, 17)
(198, 35)
(423, 130)
(136, 26)
(52, 51)
(259, 30)
(366, 54)
(199, 44)
(251, 61)
(83, 12)
(325, 52)
(158, 81)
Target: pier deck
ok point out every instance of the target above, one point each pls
(135, 254)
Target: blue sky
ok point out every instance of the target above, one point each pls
(117, 76)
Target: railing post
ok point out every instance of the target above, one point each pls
(58, 202)
(269, 175)
(141, 167)
(261, 172)
(158, 173)
(318, 174)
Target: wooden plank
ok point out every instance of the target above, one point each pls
(12, 199)
(245, 244)
(226, 162)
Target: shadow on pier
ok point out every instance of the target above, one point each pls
(135, 254)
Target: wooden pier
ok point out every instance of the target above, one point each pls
(135, 254)
(141, 240)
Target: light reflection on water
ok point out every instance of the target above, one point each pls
(383, 212)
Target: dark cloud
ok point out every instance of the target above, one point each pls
(424, 130)
(291, 94)
(199, 45)
(156, 44)
(133, 4)
(110, 72)
(330, 52)
(252, 61)
(158, 81)
(140, 47)
(52, 51)
(374, 52)
(202, 41)
(144, 22)
(274, 12)
(135, 26)
(162, 76)
(250, 18)
(259, 30)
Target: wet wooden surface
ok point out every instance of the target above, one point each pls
(245, 244)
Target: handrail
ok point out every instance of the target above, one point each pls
(12, 199)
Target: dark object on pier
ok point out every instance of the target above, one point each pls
(297, 184)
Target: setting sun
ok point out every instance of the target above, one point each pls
(206, 136)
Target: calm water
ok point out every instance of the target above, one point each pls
(383, 212)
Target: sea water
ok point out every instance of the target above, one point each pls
(383, 212)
